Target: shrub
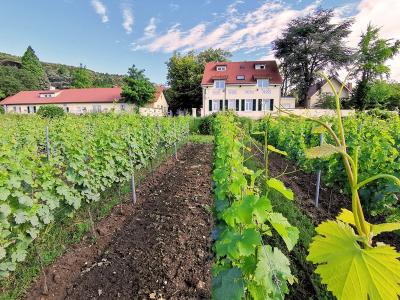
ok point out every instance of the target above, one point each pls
(1, 110)
(206, 125)
(50, 111)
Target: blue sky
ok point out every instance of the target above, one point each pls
(111, 35)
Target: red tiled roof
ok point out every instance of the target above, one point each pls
(246, 69)
(92, 95)
(159, 90)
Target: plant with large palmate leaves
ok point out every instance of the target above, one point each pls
(245, 266)
(347, 259)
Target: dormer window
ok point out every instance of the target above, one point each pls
(219, 84)
(240, 77)
(48, 94)
(221, 68)
(262, 83)
(260, 67)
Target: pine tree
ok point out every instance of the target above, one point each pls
(31, 63)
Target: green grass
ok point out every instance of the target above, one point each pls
(201, 139)
(65, 232)
(308, 281)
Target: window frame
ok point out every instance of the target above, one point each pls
(262, 86)
(248, 105)
(221, 68)
(215, 104)
(242, 77)
(217, 83)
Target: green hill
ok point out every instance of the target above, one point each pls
(60, 75)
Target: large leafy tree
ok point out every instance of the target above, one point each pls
(82, 78)
(310, 44)
(30, 63)
(383, 94)
(184, 76)
(370, 65)
(14, 80)
(137, 87)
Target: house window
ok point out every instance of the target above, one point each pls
(260, 67)
(66, 108)
(240, 77)
(14, 108)
(219, 84)
(31, 109)
(232, 104)
(123, 107)
(248, 105)
(266, 104)
(215, 105)
(96, 108)
(221, 68)
(262, 83)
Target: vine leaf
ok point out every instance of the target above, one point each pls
(272, 274)
(289, 233)
(273, 149)
(228, 284)
(280, 187)
(322, 151)
(4, 193)
(348, 217)
(350, 271)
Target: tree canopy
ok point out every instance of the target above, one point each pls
(137, 87)
(185, 72)
(30, 63)
(81, 78)
(310, 44)
(370, 65)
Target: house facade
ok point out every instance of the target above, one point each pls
(79, 101)
(250, 88)
(157, 107)
(322, 88)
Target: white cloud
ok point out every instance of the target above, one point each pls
(100, 9)
(384, 14)
(249, 31)
(150, 30)
(128, 18)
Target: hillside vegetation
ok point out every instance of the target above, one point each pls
(59, 76)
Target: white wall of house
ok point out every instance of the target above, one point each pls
(270, 97)
(74, 108)
(326, 89)
(157, 108)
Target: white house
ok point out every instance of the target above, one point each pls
(317, 91)
(250, 88)
(80, 101)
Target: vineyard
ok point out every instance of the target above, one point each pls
(232, 220)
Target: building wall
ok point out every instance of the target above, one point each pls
(326, 89)
(76, 108)
(233, 92)
(159, 105)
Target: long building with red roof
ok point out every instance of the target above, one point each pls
(79, 101)
(251, 88)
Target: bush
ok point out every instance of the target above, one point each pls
(1, 110)
(50, 111)
(206, 124)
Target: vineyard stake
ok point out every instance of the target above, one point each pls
(47, 143)
(133, 189)
(321, 139)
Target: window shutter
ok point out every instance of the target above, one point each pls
(226, 104)
(221, 104)
(209, 105)
(254, 104)
(237, 104)
(259, 104)
(242, 104)
(271, 104)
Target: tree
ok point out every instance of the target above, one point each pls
(82, 78)
(30, 63)
(1, 110)
(310, 44)
(370, 65)
(14, 80)
(137, 87)
(2, 95)
(383, 94)
(184, 76)
(50, 111)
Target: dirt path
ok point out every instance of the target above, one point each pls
(159, 249)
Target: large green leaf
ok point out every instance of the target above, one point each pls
(228, 285)
(289, 233)
(272, 274)
(322, 151)
(352, 272)
(280, 187)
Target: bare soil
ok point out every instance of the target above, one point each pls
(159, 248)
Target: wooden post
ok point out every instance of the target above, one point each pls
(321, 139)
(133, 188)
